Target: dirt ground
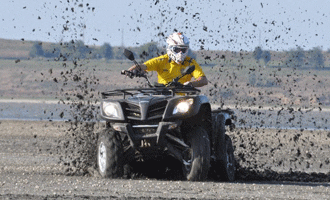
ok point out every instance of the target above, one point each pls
(282, 154)
(272, 164)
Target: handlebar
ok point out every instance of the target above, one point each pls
(177, 84)
(137, 73)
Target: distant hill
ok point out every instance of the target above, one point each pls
(16, 49)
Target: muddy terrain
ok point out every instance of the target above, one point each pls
(44, 160)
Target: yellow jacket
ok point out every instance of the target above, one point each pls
(167, 69)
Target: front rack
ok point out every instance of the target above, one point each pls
(150, 91)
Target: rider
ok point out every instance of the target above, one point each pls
(170, 65)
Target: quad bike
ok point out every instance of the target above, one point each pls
(174, 120)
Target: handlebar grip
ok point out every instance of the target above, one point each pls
(127, 73)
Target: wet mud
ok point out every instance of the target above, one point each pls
(45, 159)
(261, 154)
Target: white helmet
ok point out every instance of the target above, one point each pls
(178, 45)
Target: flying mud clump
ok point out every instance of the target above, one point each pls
(79, 90)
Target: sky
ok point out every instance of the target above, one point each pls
(233, 25)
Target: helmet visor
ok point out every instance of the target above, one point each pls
(179, 49)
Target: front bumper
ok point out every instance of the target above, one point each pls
(155, 138)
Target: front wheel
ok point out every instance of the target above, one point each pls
(196, 161)
(110, 154)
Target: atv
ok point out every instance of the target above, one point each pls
(173, 120)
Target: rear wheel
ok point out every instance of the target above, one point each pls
(110, 154)
(224, 166)
(227, 165)
(219, 140)
(196, 159)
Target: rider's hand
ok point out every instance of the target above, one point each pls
(134, 67)
(136, 71)
(140, 67)
(132, 71)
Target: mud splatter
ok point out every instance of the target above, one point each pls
(279, 155)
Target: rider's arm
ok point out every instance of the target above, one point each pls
(199, 82)
(139, 67)
(151, 65)
(199, 76)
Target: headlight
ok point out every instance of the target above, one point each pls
(183, 106)
(110, 109)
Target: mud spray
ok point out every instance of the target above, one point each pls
(81, 140)
(262, 154)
